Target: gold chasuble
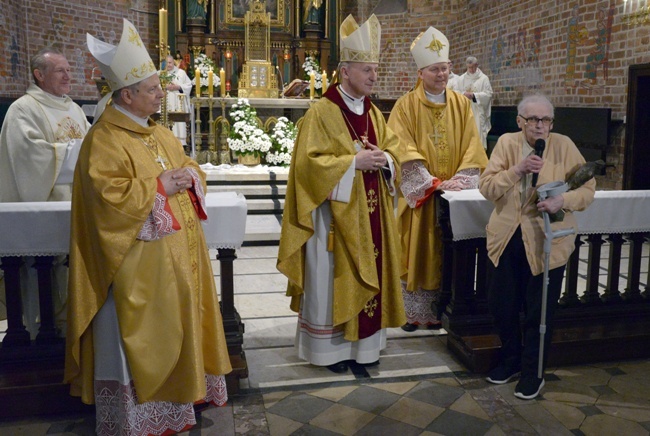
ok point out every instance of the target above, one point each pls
(445, 138)
(323, 153)
(164, 290)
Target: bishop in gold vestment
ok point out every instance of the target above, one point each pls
(338, 246)
(437, 125)
(145, 339)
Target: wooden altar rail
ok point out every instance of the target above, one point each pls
(594, 326)
(31, 371)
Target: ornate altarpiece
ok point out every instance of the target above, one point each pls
(258, 78)
(298, 28)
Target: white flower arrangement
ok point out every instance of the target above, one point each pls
(246, 137)
(283, 137)
(311, 64)
(205, 64)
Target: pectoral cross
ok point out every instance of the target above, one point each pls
(364, 139)
(161, 161)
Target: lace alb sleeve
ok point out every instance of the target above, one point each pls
(468, 178)
(415, 182)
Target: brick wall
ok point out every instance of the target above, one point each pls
(28, 25)
(575, 52)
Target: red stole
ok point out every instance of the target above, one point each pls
(370, 317)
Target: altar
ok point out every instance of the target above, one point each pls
(42, 229)
(469, 213)
(603, 305)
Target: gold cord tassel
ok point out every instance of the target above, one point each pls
(330, 236)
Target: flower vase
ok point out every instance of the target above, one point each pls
(249, 159)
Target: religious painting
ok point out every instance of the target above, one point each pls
(236, 9)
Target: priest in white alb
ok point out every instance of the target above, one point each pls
(40, 138)
(178, 96)
(475, 85)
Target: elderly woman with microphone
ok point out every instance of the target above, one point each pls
(515, 237)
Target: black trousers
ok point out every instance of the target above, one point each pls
(513, 288)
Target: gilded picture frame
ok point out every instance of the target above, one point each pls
(236, 9)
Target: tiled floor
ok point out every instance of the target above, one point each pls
(419, 388)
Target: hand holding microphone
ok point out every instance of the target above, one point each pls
(540, 145)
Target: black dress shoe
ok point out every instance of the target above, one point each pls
(409, 327)
(198, 408)
(338, 367)
(375, 363)
(436, 326)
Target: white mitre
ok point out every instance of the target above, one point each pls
(124, 64)
(360, 44)
(430, 47)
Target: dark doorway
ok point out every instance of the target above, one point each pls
(636, 170)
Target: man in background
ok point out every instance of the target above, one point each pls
(475, 85)
(178, 95)
(453, 77)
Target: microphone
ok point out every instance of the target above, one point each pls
(281, 82)
(540, 145)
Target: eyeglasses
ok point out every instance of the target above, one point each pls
(546, 121)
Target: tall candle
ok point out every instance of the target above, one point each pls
(162, 25)
(312, 84)
(162, 29)
(324, 81)
(210, 83)
(333, 76)
(222, 77)
(197, 78)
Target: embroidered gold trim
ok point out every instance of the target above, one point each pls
(436, 45)
(373, 200)
(370, 308)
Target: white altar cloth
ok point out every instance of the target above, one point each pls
(611, 212)
(43, 228)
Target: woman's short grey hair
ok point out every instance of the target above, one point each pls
(471, 60)
(535, 99)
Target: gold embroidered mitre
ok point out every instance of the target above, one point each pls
(430, 47)
(360, 44)
(125, 64)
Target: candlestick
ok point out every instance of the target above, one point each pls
(197, 78)
(333, 76)
(324, 81)
(210, 83)
(222, 78)
(312, 85)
